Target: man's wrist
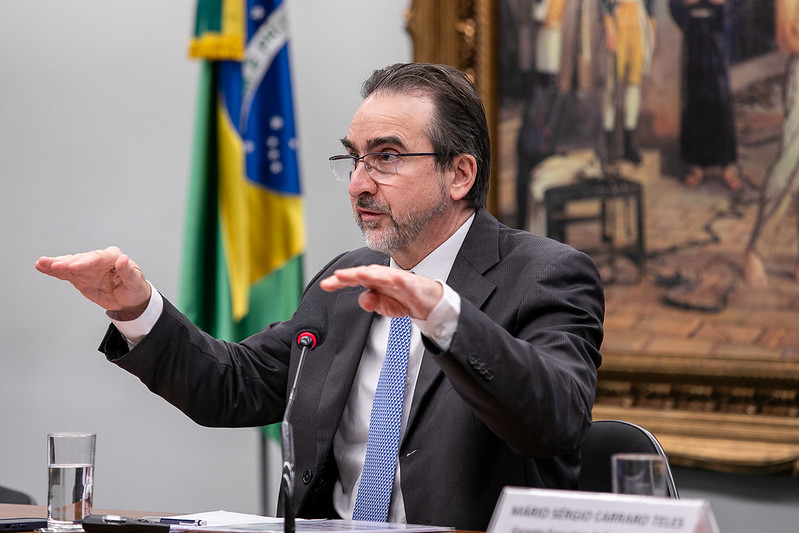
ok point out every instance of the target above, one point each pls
(126, 315)
(442, 322)
(135, 330)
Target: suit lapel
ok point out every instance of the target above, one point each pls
(354, 324)
(479, 252)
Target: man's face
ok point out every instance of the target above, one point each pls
(394, 212)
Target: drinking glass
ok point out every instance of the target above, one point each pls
(70, 479)
(639, 473)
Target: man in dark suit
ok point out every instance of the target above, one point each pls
(504, 346)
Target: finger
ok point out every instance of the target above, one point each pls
(331, 283)
(58, 267)
(381, 304)
(364, 276)
(377, 277)
(79, 261)
(48, 262)
(368, 301)
(128, 271)
(381, 280)
(43, 265)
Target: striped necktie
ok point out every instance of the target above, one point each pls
(377, 479)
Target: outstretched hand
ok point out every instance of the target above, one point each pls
(107, 277)
(389, 291)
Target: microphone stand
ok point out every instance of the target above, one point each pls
(287, 442)
(287, 482)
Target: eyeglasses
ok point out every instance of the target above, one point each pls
(379, 165)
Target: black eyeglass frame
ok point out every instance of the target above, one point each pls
(355, 159)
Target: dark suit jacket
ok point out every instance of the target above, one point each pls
(508, 404)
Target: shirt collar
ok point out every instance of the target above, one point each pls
(439, 262)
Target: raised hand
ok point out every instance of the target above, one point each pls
(389, 291)
(107, 277)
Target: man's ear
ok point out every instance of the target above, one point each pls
(464, 167)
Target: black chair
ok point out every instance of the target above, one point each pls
(13, 496)
(607, 437)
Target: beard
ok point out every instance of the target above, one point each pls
(403, 230)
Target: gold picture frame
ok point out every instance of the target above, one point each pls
(732, 409)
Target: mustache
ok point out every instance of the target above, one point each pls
(371, 203)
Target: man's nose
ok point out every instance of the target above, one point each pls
(361, 181)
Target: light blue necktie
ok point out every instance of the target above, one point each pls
(377, 479)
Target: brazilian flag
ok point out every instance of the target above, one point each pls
(245, 235)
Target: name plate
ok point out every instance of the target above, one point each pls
(524, 510)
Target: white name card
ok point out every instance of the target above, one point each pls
(524, 510)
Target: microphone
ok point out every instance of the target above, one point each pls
(312, 319)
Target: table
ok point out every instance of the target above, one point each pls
(11, 510)
(8, 510)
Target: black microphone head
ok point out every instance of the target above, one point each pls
(311, 320)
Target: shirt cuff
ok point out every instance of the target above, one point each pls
(135, 330)
(442, 322)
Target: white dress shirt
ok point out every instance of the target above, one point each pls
(349, 443)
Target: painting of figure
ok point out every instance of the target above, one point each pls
(629, 29)
(708, 104)
(780, 187)
(707, 131)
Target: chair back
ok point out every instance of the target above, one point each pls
(607, 437)
(14, 496)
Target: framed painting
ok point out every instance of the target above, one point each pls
(657, 136)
